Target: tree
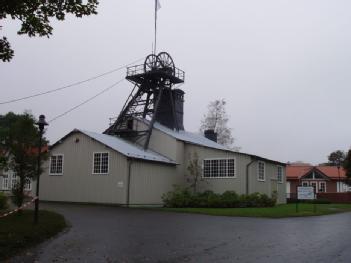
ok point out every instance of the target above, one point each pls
(18, 147)
(336, 158)
(195, 170)
(35, 16)
(347, 165)
(217, 119)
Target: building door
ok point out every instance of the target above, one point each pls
(288, 190)
(274, 186)
(314, 184)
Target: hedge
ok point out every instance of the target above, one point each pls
(183, 197)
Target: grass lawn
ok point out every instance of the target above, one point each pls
(279, 211)
(18, 232)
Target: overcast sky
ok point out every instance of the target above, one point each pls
(284, 68)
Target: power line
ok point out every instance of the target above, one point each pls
(70, 85)
(86, 101)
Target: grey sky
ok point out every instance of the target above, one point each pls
(283, 66)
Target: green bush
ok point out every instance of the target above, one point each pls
(17, 195)
(183, 197)
(179, 197)
(230, 199)
(3, 201)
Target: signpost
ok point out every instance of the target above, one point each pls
(305, 193)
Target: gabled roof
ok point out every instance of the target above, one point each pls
(124, 147)
(297, 172)
(332, 171)
(201, 140)
(190, 137)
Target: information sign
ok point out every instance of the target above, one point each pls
(305, 193)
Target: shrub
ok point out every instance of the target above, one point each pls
(183, 197)
(17, 195)
(230, 199)
(3, 201)
(179, 197)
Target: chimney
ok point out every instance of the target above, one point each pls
(178, 98)
(165, 114)
(211, 135)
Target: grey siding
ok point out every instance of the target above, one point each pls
(159, 142)
(270, 183)
(238, 184)
(78, 183)
(220, 185)
(149, 181)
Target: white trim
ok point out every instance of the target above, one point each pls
(305, 183)
(8, 179)
(63, 159)
(219, 177)
(325, 186)
(108, 163)
(258, 171)
(282, 178)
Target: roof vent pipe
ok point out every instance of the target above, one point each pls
(211, 135)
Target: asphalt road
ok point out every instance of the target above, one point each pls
(110, 234)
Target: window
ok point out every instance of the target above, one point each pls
(280, 174)
(56, 164)
(322, 187)
(219, 168)
(28, 184)
(261, 171)
(5, 182)
(304, 183)
(100, 163)
(14, 180)
(314, 184)
(10, 180)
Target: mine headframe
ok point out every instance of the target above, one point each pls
(151, 99)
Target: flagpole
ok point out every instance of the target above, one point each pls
(155, 26)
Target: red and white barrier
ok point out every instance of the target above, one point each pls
(19, 208)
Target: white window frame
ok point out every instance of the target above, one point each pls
(108, 163)
(325, 187)
(63, 160)
(315, 185)
(281, 179)
(28, 182)
(305, 183)
(14, 179)
(6, 179)
(227, 170)
(11, 179)
(258, 171)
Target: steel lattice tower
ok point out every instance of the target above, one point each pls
(152, 98)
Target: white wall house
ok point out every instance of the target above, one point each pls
(90, 167)
(8, 180)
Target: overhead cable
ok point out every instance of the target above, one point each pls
(86, 101)
(68, 86)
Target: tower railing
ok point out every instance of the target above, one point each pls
(138, 70)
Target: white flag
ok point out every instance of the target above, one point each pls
(158, 5)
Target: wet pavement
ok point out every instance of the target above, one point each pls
(111, 234)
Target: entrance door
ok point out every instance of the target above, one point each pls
(274, 187)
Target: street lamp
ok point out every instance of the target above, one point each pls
(338, 165)
(41, 125)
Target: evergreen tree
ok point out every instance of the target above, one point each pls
(336, 158)
(347, 165)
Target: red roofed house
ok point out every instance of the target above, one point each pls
(325, 179)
